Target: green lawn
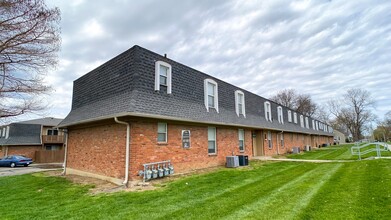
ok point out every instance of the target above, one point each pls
(264, 190)
(341, 152)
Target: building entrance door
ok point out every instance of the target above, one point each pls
(257, 143)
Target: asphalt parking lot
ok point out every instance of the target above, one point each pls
(33, 168)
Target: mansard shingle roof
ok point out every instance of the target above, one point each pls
(124, 86)
(22, 134)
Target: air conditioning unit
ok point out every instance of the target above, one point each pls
(243, 160)
(295, 150)
(307, 148)
(232, 161)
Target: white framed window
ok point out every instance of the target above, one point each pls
(210, 95)
(289, 116)
(1, 131)
(240, 107)
(162, 132)
(302, 121)
(313, 124)
(269, 139)
(295, 117)
(307, 124)
(268, 111)
(7, 132)
(282, 140)
(317, 125)
(241, 140)
(212, 146)
(279, 115)
(163, 73)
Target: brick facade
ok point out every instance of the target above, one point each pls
(100, 148)
(28, 151)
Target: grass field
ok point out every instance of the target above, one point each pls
(264, 190)
(336, 153)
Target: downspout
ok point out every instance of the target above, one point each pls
(127, 150)
(65, 152)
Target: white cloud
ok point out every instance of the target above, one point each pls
(317, 47)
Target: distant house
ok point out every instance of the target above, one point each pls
(339, 137)
(162, 110)
(28, 137)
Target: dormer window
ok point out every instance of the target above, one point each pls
(163, 72)
(280, 116)
(301, 121)
(307, 124)
(295, 117)
(289, 116)
(268, 111)
(313, 124)
(239, 103)
(210, 95)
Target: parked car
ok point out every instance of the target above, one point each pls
(15, 160)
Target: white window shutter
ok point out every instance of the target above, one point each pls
(157, 76)
(237, 103)
(169, 80)
(206, 94)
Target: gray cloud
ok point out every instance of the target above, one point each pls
(317, 47)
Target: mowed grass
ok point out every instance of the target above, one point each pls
(339, 152)
(264, 190)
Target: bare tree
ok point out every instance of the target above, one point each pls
(353, 111)
(302, 103)
(29, 42)
(383, 130)
(286, 97)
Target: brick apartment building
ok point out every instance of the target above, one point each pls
(159, 99)
(27, 137)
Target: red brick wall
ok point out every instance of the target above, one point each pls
(145, 148)
(28, 151)
(98, 149)
(292, 140)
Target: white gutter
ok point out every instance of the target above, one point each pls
(127, 150)
(65, 152)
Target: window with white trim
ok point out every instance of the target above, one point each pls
(210, 95)
(268, 111)
(289, 116)
(163, 73)
(280, 116)
(212, 147)
(313, 124)
(282, 140)
(317, 125)
(302, 121)
(7, 132)
(307, 124)
(4, 132)
(241, 140)
(295, 117)
(162, 132)
(269, 139)
(240, 107)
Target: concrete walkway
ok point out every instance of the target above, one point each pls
(33, 168)
(267, 158)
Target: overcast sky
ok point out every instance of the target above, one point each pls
(320, 47)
